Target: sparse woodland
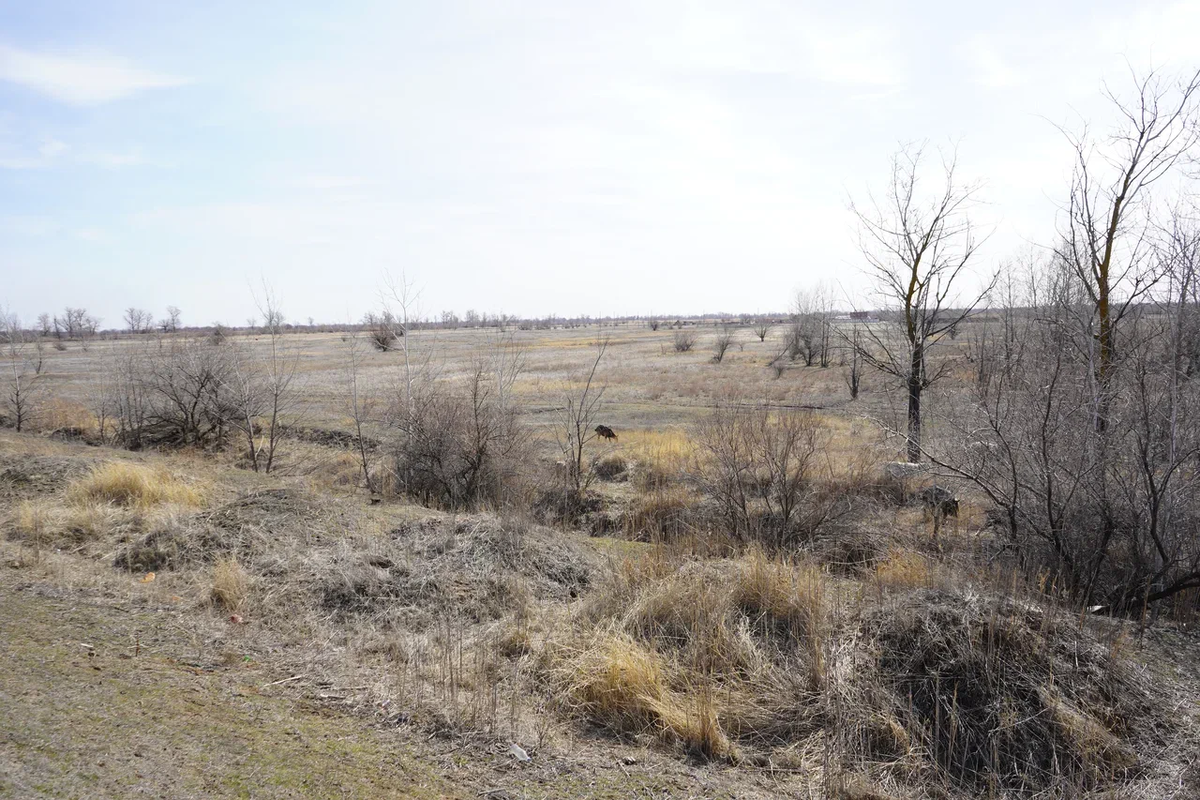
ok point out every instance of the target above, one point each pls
(744, 577)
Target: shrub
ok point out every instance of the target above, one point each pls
(760, 468)
(684, 340)
(722, 344)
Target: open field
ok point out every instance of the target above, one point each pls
(169, 607)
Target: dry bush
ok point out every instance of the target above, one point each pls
(722, 344)
(684, 340)
(230, 584)
(123, 483)
(462, 449)
(761, 468)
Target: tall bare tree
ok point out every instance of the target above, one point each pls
(1104, 238)
(918, 247)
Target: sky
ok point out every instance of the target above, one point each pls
(568, 158)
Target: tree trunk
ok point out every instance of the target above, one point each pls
(915, 386)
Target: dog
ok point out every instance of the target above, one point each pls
(939, 503)
(605, 432)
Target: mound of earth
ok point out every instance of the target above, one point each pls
(476, 567)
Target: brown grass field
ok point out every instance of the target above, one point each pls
(176, 624)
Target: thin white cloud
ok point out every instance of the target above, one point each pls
(82, 79)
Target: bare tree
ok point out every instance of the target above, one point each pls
(653, 323)
(44, 324)
(917, 252)
(172, 321)
(577, 420)
(1104, 241)
(762, 327)
(854, 363)
(137, 320)
(403, 293)
(722, 343)
(23, 371)
(360, 402)
(266, 388)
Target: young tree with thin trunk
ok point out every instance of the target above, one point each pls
(576, 427)
(265, 388)
(23, 371)
(918, 247)
(359, 402)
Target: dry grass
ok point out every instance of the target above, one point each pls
(661, 457)
(130, 485)
(788, 597)
(230, 585)
(904, 569)
(662, 514)
(59, 414)
(621, 685)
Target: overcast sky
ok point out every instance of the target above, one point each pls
(531, 158)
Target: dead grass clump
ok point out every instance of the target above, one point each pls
(66, 419)
(619, 684)
(1001, 694)
(661, 457)
(230, 585)
(123, 483)
(787, 598)
(611, 467)
(690, 616)
(662, 515)
(904, 569)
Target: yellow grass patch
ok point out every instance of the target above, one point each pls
(230, 585)
(621, 684)
(904, 569)
(123, 483)
(57, 414)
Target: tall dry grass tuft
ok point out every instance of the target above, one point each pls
(230, 585)
(622, 685)
(131, 485)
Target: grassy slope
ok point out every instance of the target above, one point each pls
(115, 725)
(112, 724)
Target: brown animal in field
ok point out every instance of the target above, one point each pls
(605, 432)
(939, 503)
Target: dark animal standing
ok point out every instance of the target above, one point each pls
(605, 432)
(940, 503)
